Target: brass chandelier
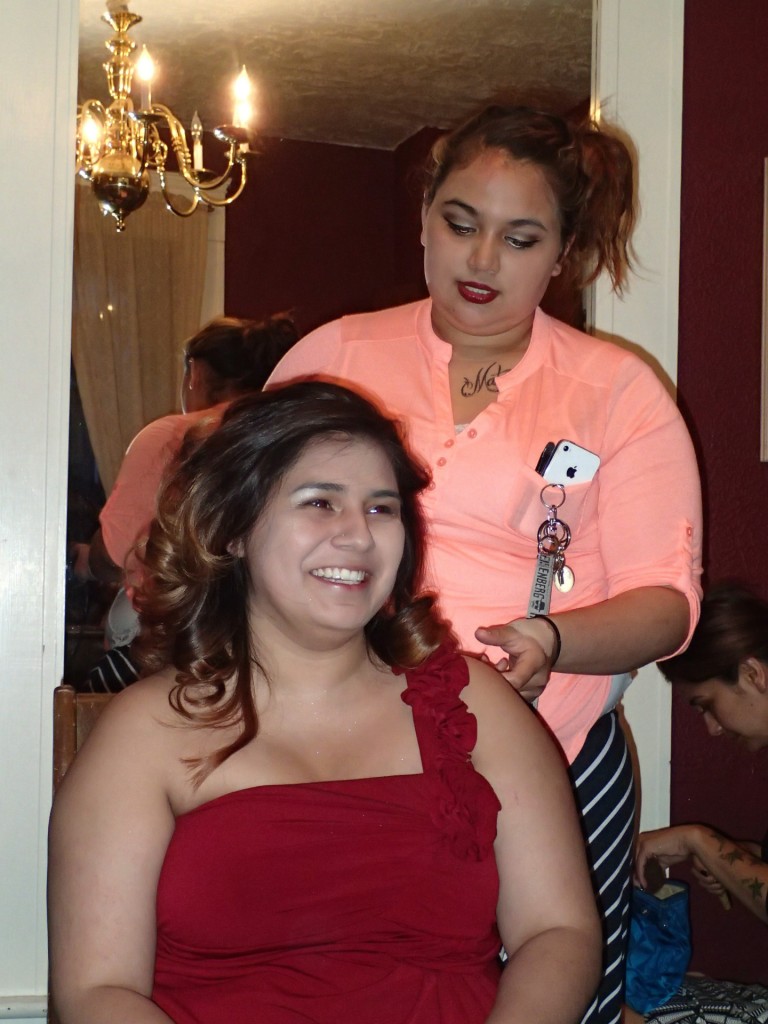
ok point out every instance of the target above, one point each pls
(118, 145)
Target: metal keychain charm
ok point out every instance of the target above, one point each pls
(564, 578)
(554, 536)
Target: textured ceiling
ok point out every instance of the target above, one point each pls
(359, 72)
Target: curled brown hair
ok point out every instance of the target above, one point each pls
(194, 599)
(589, 168)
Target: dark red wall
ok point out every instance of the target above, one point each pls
(312, 232)
(725, 140)
(325, 230)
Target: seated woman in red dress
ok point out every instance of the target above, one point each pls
(315, 810)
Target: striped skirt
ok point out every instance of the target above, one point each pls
(604, 786)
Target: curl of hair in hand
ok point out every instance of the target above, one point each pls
(194, 598)
(589, 167)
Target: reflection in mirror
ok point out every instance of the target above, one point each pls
(349, 99)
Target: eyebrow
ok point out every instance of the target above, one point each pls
(517, 222)
(320, 485)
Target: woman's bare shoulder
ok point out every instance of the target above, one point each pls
(487, 689)
(509, 732)
(146, 697)
(136, 725)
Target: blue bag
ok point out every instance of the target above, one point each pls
(659, 945)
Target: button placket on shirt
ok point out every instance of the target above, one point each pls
(442, 460)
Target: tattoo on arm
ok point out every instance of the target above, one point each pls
(756, 887)
(733, 854)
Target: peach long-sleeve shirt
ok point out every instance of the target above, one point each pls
(636, 524)
(131, 505)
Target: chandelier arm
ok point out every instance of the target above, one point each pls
(145, 147)
(223, 178)
(227, 200)
(169, 205)
(178, 135)
(92, 105)
(183, 157)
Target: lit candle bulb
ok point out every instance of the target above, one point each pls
(196, 131)
(89, 141)
(243, 89)
(91, 132)
(145, 71)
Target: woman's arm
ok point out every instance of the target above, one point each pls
(732, 864)
(100, 563)
(546, 912)
(617, 635)
(110, 828)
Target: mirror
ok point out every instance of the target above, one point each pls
(351, 95)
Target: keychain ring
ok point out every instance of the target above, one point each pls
(555, 530)
(552, 504)
(549, 546)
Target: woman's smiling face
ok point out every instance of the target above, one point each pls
(492, 241)
(324, 556)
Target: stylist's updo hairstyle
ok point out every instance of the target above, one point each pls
(589, 169)
(194, 599)
(240, 354)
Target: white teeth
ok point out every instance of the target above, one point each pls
(340, 575)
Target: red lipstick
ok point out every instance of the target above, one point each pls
(472, 291)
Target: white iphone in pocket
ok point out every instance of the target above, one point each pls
(570, 464)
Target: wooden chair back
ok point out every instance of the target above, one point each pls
(74, 715)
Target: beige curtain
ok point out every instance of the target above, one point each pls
(136, 298)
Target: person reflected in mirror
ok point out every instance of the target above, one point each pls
(226, 359)
(486, 382)
(723, 675)
(316, 809)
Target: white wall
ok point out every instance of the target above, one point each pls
(640, 54)
(637, 71)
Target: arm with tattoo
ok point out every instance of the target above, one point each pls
(734, 865)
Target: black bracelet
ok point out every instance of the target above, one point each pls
(558, 639)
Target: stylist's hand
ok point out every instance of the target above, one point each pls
(529, 647)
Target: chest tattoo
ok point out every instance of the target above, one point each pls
(485, 380)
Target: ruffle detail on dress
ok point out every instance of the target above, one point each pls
(447, 733)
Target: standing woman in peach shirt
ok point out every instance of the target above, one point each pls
(485, 382)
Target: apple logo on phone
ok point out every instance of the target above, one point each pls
(570, 463)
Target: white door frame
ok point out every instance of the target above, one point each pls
(637, 72)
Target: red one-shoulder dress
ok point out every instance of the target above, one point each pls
(364, 901)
